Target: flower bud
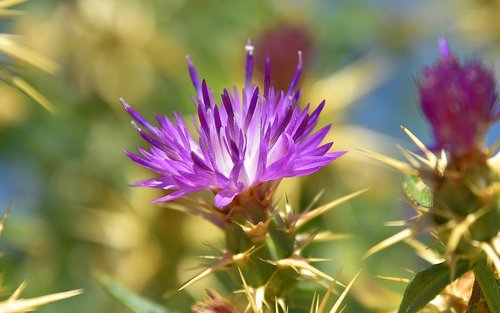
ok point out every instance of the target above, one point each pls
(458, 99)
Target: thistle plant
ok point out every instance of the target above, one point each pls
(453, 186)
(242, 147)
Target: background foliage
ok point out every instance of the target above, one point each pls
(74, 214)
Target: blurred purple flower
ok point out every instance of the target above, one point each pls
(459, 101)
(241, 144)
(270, 42)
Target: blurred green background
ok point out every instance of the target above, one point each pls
(74, 214)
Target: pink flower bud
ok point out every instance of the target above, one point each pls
(459, 101)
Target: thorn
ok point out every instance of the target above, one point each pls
(224, 261)
(209, 257)
(396, 223)
(14, 304)
(221, 251)
(314, 303)
(394, 279)
(282, 304)
(260, 299)
(288, 207)
(412, 155)
(33, 93)
(198, 277)
(308, 216)
(428, 154)
(485, 194)
(297, 263)
(411, 272)
(461, 229)
(248, 293)
(424, 251)
(302, 244)
(328, 236)
(196, 267)
(311, 260)
(313, 202)
(408, 156)
(242, 257)
(402, 235)
(17, 294)
(442, 162)
(394, 163)
(492, 255)
(256, 232)
(324, 302)
(344, 294)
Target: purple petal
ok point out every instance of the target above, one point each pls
(199, 162)
(164, 182)
(314, 140)
(267, 77)
(444, 48)
(251, 107)
(194, 75)
(224, 198)
(217, 120)
(136, 116)
(206, 95)
(249, 64)
(174, 195)
(139, 160)
(296, 77)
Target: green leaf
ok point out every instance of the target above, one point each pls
(428, 284)
(489, 286)
(417, 191)
(130, 300)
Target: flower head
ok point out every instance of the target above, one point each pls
(459, 101)
(244, 142)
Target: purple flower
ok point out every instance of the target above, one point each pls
(271, 41)
(459, 101)
(244, 142)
